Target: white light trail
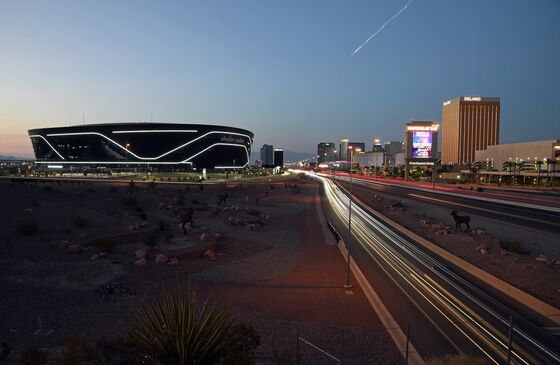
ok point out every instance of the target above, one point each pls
(383, 26)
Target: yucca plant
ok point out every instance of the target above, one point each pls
(174, 329)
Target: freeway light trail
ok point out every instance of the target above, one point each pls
(461, 304)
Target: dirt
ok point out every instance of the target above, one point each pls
(278, 277)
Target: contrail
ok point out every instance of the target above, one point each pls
(383, 26)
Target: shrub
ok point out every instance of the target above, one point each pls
(80, 222)
(131, 185)
(458, 359)
(112, 189)
(5, 351)
(240, 345)
(283, 357)
(32, 356)
(131, 201)
(174, 329)
(143, 216)
(514, 246)
(27, 228)
(151, 240)
(105, 244)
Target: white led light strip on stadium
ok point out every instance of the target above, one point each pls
(135, 155)
(39, 136)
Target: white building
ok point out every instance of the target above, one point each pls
(496, 157)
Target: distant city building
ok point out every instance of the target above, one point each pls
(469, 123)
(498, 157)
(326, 152)
(392, 148)
(278, 157)
(267, 155)
(377, 146)
(370, 159)
(343, 150)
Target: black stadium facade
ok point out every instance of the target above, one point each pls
(177, 146)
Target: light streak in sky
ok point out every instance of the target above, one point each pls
(383, 26)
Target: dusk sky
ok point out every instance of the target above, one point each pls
(282, 69)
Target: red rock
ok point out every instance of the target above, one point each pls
(173, 261)
(161, 259)
(73, 249)
(209, 254)
(140, 254)
(140, 262)
(204, 237)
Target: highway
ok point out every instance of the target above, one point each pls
(529, 215)
(446, 313)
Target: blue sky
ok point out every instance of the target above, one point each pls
(283, 69)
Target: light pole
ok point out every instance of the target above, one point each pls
(348, 285)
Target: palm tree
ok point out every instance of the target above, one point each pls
(539, 164)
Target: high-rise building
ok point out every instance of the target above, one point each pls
(267, 155)
(469, 123)
(343, 150)
(377, 146)
(278, 157)
(392, 148)
(326, 152)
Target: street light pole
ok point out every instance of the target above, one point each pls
(348, 285)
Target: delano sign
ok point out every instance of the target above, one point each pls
(472, 98)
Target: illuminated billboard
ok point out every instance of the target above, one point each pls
(422, 144)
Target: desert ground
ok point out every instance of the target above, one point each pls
(82, 257)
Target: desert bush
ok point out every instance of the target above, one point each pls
(173, 328)
(514, 246)
(283, 356)
(105, 244)
(5, 351)
(32, 355)
(131, 201)
(112, 189)
(151, 240)
(80, 222)
(458, 359)
(27, 228)
(131, 185)
(105, 352)
(240, 345)
(143, 216)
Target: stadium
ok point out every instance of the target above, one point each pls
(153, 145)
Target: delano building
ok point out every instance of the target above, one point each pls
(469, 124)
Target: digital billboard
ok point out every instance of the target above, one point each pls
(422, 144)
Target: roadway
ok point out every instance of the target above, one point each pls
(532, 216)
(446, 312)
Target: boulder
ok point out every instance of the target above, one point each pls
(161, 205)
(251, 227)
(94, 257)
(543, 258)
(504, 253)
(478, 231)
(210, 254)
(161, 259)
(140, 262)
(73, 249)
(140, 254)
(218, 236)
(204, 236)
(173, 261)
